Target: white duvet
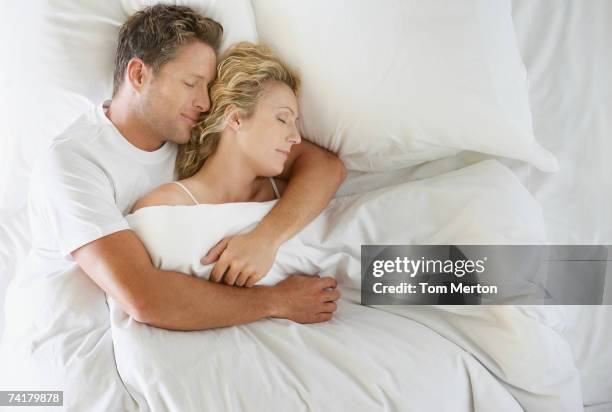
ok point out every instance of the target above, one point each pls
(400, 358)
(481, 204)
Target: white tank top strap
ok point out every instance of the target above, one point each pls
(188, 192)
(274, 187)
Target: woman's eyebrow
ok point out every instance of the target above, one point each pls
(290, 109)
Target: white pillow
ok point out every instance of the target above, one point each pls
(57, 64)
(63, 64)
(389, 84)
(236, 16)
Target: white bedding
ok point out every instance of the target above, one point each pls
(565, 48)
(363, 360)
(370, 358)
(564, 45)
(480, 204)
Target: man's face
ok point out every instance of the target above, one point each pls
(177, 94)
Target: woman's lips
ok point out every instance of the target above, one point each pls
(286, 153)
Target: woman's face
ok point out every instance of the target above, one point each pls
(267, 136)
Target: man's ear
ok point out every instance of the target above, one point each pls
(136, 73)
(232, 117)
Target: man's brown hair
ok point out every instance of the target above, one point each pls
(154, 34)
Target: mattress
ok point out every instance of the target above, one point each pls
(564, 45)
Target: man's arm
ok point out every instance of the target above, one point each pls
(314, 175)
(121, 266)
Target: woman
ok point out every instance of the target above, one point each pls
(227, 168)
(244, 140)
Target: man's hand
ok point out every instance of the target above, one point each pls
(242, 260)
(305, 299)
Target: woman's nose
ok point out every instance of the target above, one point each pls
(295, 137)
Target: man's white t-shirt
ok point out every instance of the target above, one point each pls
(57, 335)
(86, 182)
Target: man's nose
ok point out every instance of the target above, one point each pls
(202, 102)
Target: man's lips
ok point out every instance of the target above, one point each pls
(190, 119)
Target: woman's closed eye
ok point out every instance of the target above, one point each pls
(189, 84)
(282, 121)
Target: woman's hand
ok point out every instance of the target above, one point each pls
(242, 260)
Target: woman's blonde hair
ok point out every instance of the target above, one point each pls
(241, 74)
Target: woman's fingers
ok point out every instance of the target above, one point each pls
(218, 271)
(242, 279)
(232, 274)
(252, 280)
(215, 253)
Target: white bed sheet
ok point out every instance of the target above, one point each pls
(362, 360)
(396, 358)
(480, 203)
(565, 46)
(64, 340)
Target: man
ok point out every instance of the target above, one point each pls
(94, 172)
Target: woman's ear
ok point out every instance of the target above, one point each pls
(232, 117)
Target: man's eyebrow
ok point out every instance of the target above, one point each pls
(287, 107)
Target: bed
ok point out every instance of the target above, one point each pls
(433, 358)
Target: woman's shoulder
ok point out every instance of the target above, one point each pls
(265, 190)
(169, 194)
